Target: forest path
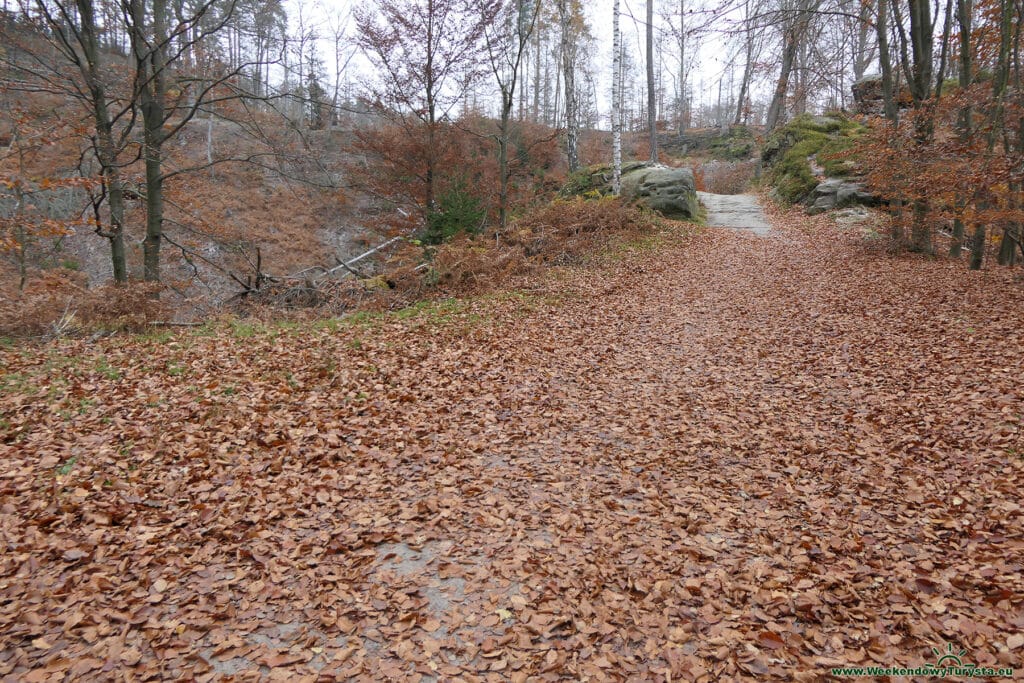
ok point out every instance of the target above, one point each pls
(738, 211)
(724, 458)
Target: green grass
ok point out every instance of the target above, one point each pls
(104, 368)
(16, 383)
(157, 336)
(241, 329)
(65, 469)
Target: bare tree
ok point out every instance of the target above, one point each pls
(425, 53)
(616, 101)
(569, 26)
(515, 22)
(652, 104)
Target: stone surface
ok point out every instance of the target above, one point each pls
(669, 191)
(737, 211)
(837, 193)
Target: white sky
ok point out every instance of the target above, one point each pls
(710, 63)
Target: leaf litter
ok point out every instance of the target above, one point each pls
(731, 458)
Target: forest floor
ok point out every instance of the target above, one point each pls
(704, 457)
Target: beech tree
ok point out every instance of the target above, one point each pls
(426, 54)
(506, 42)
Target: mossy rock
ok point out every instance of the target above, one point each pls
(594, 180)
(733, 144)
(827, 140)
(668, 191)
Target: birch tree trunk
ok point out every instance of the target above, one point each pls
(616, 101)
(652, 105)
(682, 67)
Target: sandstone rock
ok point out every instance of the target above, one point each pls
(836, 194)
(671, 192)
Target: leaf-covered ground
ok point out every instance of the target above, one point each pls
(728, 458)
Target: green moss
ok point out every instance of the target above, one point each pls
(738, 143)
(594, 181)
(828, 140)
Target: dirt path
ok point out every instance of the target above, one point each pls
(732, 459)
(738, 211)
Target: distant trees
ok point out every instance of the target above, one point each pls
(30, 187)
(175, 71)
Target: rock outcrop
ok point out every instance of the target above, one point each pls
(837, 193)
(672, 192)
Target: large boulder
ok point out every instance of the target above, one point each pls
(867, 94)
(837, 193)
(672, 192)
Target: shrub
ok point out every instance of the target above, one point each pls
(726, 177)
(55, 304)
(558, 233)
(458, 211)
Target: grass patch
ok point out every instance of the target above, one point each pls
(157, 336)
(241, 329)
(107, 370)
(15, 383)
(65, 469)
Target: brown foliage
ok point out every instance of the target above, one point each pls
(726, 177)
(732, 459)
(559, 233)
(57, 303)
(389, 163)
(976, 180)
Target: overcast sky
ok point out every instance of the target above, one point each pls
(711, 61)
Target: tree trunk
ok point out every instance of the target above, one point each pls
(536, 74)
(778, 103)
(921, 88)
(978, 247)
(616, 101)
(106, 152)
(150, 55)
(748, 68)
(568, 52)
(682, 67)
(652, 108)
(506, 114)
(964, 11)
(885, 62)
